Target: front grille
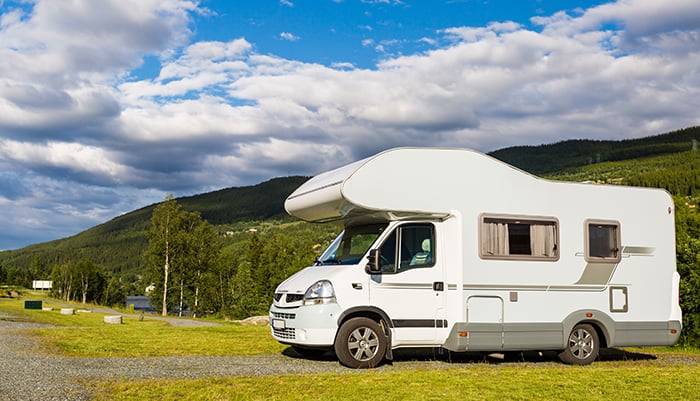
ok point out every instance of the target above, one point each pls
(289, 298)
(294, 298)
(278, 315)
(286, 334)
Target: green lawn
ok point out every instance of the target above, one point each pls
(86, 335)
(675, 377)
(600, 381)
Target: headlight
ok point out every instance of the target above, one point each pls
(321, 292)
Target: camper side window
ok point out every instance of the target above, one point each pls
(409, 246)
(603, 241)
(519, 238)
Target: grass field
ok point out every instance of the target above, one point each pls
(674, 375)
(600, 381)
(89, 336)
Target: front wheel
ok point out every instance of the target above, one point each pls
(360, 343)
(582, 346)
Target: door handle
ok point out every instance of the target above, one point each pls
(438, 286)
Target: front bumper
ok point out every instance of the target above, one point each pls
(309, 325)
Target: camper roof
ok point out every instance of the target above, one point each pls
(399, 183)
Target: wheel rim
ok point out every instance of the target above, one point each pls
(581, 343)
(363, 344)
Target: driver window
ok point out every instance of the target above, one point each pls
(409, 246)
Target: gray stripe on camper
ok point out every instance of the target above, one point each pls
(638, 250)
(536, 287)
(406, 286)
(597, 273)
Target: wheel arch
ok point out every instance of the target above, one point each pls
(602, 323)
(371, 312)
(374, 313)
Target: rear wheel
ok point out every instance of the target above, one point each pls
(360, 343)
(582, 347)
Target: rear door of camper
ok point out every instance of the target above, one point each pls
(411, 287)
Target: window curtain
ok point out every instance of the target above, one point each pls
(496, 239)
(543, 239)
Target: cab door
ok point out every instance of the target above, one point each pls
(410, 286)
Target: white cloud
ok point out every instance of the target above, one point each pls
(289, 36)
(58, 42)
(429, 41)
(394, 2)
(219, 114)
(342, 65)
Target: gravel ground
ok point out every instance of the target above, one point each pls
(29, 374)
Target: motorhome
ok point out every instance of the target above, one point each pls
(453, 249)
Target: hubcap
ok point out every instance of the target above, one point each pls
(363, 344)
(581, 344)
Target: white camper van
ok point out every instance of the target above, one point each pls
(451, 248)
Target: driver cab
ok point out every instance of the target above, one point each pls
(409, 246)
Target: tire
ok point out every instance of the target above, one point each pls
(360, 343)
(582, 346)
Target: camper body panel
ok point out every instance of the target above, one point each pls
(475, 296)
(632, 300)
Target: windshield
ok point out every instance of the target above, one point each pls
(351, 245)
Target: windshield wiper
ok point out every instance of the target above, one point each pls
(334, 261)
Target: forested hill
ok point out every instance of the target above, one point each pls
(257, 202)
(544, 159)
(118, 244)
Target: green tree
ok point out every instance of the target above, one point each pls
(204, 252)
(91, 280)
(232, 281)
(3, 275)
(258, 271)
(162, 244)
(688, 266)
(37, 270)
(63, 277)
(243, 294)
(19, 277)
(269, 260)
(114, 291)
(182, 250)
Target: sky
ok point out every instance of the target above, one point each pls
(107, 106)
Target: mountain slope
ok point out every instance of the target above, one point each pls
(544, 159)
(118, 244)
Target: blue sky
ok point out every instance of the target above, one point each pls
(108, 105)
(359, 32)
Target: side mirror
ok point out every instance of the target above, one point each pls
(373, 266)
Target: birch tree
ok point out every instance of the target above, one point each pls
(182, 247)
(205, 250)
(85, 271)
(165, 226)
(62, 276)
